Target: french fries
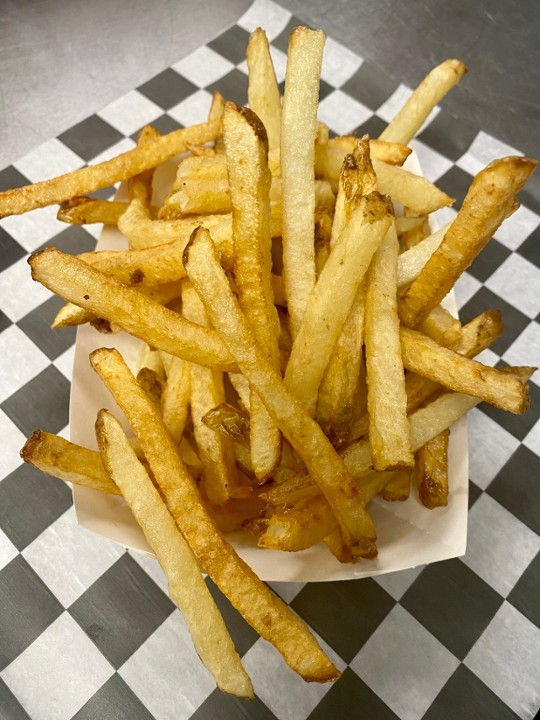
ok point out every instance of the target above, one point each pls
(298, 363)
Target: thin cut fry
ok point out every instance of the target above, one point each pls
(263, 91)
(186, 584)
(411, 190)
(411, 262)
(440, 325)
(265, 612)
(140, 185)
(490, 199)
(164, 329)
(299, 118)
(432, 471)
(431, 91)
(84, 210)
(399, 487)
(175, 397)
(303, 433)
(94, 177)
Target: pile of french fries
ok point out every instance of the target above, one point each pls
(296, 358)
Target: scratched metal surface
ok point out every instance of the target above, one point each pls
(59, 62)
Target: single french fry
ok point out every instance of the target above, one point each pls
(411, 262)
(206, 391)
(164, 329)
(490, 199)
(82, 210)
(409, 189)
(399, 487)
(263, 91)
(175, 397)
(261, 608)
(440, 325)
(432, 471)
(424, 356)
(91, 178)
(66, 461)
(140, 185)
(431, 91)
(186, 584)
(246, 150)
(386, 398)
(333, 296)
(302, 432)
(298, 130)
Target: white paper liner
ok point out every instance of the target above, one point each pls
(408, 534)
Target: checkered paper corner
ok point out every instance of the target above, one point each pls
(466, 628)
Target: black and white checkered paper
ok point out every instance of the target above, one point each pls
(86, 628)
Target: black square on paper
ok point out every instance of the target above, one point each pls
(514, 320)
(492, 257)
(166, 124)
(10, 706)
(455, 182)
(227, 707)
(121, 610)
(28, 608)
(517, 488)
(466, 697)
(526, 592)
(167, 89)
(370, 85)
(242, 634)
(530, 248)
(90, 137)
(29, 502)
(231, 44)
(372, 127)
(11, 178)
(5, 322)
(47, 396)
(37, 326)
(449, 136)
(453, 603)
(517, 425)
(331, 608)
(233, 87)
(10, 250)
(350, 697)
(474, 493)
(74, 239)
(114, 699)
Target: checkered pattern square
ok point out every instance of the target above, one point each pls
(86, 628)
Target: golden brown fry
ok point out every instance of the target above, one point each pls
(432, 471)
(263, 91)
(480, 332)
(186, 584)
(490, 199)
(215, 451)
(175, 397)
(164, 329)
(246, 149)
(333, 296)
(431, 91)
(399, 487)
(82, 210)
(299, 118)
(456, 372)
(263, 610)
(386, 397)
(66, 461)
(303, 433)
(91, 178)
(440, 325)
(140, 186)
(409, 189)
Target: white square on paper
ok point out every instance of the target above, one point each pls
(166, 673)
(35, 228)
(517, 228)
(525, 350)
(20, 294)
(266, 14)
(38, 677)
(493, 447)
(499, 547)
(51, 158)
(506, 658)
(339, 63)
(518, 282)
(433, 164)
(203, 67)
(465, 288)
(8, 551)
(193, 110)
(69, 558)
(532, 441)
(404, 664)
(20, 361)
(342, 113)
(130, 112)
